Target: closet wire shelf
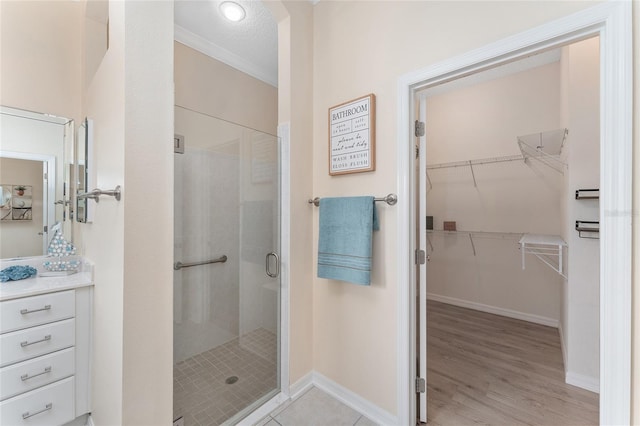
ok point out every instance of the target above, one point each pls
(474, 234)
(544, 147)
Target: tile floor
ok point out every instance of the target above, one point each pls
(315, 408)
(202, 396)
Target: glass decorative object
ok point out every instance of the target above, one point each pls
(61, 249)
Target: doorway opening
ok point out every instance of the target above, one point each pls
(506, 150)
(614, 184)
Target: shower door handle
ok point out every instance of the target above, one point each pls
(268, 265)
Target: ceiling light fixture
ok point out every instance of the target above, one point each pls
(232, 11)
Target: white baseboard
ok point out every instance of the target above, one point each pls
(563, 348)
(353, 400)
(301, 386)
(342, 394)
(537, 319)
(585, 382)
(264, 410)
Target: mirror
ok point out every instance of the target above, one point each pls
(34, 180)
(84, 150)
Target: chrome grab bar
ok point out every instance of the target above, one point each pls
(96, 193)
(179, 265)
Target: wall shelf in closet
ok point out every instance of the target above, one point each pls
(475, 234)
(547, 248)
(544, 147)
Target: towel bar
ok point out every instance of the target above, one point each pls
(390, 199)
(96, 193)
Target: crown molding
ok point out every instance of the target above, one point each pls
(212, 50)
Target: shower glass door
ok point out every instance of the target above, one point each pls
(226, 269)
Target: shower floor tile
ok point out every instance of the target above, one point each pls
(201, 394)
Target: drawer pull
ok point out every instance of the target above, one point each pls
(27, 343)
(26, 311)
(47, 407)
(25, 377)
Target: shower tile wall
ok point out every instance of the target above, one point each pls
(207, 224)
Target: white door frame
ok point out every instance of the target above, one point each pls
(612, 22)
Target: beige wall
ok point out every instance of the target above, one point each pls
(295, 47)
(364, 47)
(131, 241)
(483, 121)
(582, 298)
(211, 87)
(40, 56)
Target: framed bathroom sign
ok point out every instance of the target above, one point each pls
(352, 136)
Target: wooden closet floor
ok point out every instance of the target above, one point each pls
(494, 370)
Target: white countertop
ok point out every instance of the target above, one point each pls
(40, 285)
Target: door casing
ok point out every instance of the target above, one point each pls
(611, 21)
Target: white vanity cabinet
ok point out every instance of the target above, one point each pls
(45, 351)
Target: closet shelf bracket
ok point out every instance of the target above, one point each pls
(547, 248)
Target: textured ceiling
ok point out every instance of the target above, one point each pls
(250, 45)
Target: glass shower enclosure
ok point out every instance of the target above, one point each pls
(226, 269)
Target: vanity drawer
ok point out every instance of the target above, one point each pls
(30, 311)
(35, 341)
(28, 375)
(46, 406)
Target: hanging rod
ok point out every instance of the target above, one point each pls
(96, 193)
(390, 199)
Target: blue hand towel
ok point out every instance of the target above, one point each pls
(15, 273)
(345, 238)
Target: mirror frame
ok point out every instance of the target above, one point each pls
(83, 166)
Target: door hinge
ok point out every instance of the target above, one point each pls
(417, 151)
(420, 257)
(421, 385)
(419, 129)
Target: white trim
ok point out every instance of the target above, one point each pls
(353, 400)
(612, 22)
(496, 310)
(339, 392)
(616, 121)
(90, 421)
(300, 387)
(563, 347)
(264, 410)
(405, 345)
(285, 250)
(205, 46)
(38, 116)
(585, 382)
